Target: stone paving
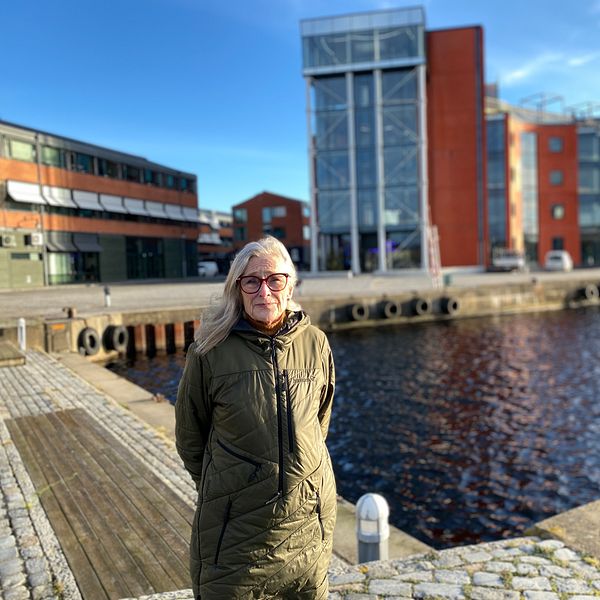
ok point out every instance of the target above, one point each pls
(32, 565)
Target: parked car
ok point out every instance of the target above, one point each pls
(504, 259)
(207, 268)
(558, 260)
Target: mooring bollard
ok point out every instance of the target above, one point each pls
(107, 301)
(22, 334)
(372, 528)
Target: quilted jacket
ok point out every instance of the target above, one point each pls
(251, 420)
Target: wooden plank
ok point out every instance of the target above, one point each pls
(156, 519)
(87, 580)
(72, 499)
(115, 535)
(127, 522)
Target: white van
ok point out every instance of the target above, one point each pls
(558, 260)
(207, 268)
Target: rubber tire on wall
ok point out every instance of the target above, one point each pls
(358, 312)
(116, 337)
(589, 292)
(391, 309)
(420, 306)
(449, 305)
(88, 341)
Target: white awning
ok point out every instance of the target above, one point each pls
(28, 193)
(60, 241)
(156, 209)
(174, 212)
(112, 203)
(190, 214)
(56, 196)
(87, 200)
(135, 207)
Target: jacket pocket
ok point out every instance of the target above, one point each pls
(319, 516)
(223, 528)
(257, 466)
(290, 414)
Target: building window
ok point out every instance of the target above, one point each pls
(107, 168)
(556, 177)
(305, 232)
(278, 232)
(555, 144)
(21, 150)
(148, 176)
(306, 211)
(83, 163)
(169, 181)
(240, 214)
(558, 211)
(558, 243)
(239, 234)
(53, 157)
(131, 173)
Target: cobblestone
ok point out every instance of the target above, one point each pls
(33, 567)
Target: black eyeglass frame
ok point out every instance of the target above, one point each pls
(262, 280)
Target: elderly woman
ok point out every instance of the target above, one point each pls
(252, 414)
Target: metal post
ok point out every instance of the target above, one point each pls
(22, 334)
(107, 300)
(372, 528)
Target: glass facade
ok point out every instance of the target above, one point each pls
(497, 192)
(529, 174)
(365, 76)
(588, 142)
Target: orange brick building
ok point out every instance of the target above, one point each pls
(271, 214)
(72, 211)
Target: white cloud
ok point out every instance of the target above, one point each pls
(578, 61)
(532, 67)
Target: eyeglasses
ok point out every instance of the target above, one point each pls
(251, 284)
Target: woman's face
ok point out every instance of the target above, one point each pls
(266, 306)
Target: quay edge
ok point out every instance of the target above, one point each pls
(156, 329)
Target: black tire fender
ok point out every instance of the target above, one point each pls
(358, 311)
(116, 337)
(391, 309)
(449, 305)
(588, 292)
(420, 306)
(88, 341)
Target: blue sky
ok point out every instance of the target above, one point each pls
(214, 87)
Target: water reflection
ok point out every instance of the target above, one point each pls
(472, 430)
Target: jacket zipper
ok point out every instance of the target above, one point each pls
(279, 422)
(290, 418)
(225, 521)
(319, 516)
(254, 463)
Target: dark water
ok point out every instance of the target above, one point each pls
(471, 429)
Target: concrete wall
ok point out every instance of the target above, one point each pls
(21, 266)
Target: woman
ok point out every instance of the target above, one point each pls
(252, 414)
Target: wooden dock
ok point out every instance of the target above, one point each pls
(123, 531)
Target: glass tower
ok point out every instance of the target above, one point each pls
(365, 82)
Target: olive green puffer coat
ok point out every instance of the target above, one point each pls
(251, 419)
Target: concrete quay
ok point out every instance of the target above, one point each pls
(34, 565)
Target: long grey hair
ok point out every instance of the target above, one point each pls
(218, 320)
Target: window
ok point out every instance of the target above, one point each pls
(169, 181)
(266, 216)
(556, 177)
(278, 232)
(305, 232)
(555, 144)
(306, 211)
(107, 168)
(240, 214)
(148, 176)
(131, 173)
(21, 150)
(83, 163)
(558, 211)
(239, 234)
(183, 184)
(279, 211)
(53, 157)
(558, 243)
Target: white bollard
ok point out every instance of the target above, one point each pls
(107, 300)
(372, 528)
(22, 334)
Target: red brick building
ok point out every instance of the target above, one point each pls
(271, 214)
